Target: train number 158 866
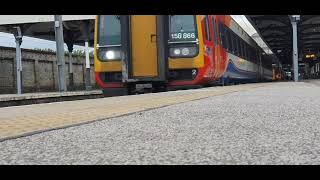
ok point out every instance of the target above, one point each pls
(183, 36)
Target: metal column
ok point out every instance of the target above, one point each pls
(60, 52)
(18, 37)
(71, 81)
(88, 77)
(85, 30)
(294, 20)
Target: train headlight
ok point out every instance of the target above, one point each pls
(109, 54)
(183, 51)
(176, 52)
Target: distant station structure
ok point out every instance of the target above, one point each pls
(69, 29)
(294, 39)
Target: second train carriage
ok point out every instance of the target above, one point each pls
(157, 51)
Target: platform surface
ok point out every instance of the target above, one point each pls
(41, 95)
(270, 123)
(24, 120)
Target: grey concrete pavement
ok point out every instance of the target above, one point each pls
(277, 124)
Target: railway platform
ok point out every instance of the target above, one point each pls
(261, 123)
(45, 97)
(30, 119)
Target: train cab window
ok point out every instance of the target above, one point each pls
(182, 28)
(183, 35)
(109, 37)
(109, 30)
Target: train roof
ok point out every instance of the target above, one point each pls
(236, 28)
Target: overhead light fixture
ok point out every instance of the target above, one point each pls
(296, 17)
(310, 56)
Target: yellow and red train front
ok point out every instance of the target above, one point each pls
(196, 56)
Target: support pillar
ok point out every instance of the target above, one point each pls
(71, 81)
(85, 28)
(18, 37)
(60, 52)
(88, 67)
(294, 20)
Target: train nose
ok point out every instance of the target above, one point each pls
(183, 74)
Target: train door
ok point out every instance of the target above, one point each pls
(144, 46)
(144, 40)
(218, 46)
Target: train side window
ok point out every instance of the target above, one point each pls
(229, 40)
(239, 47)
(254, 59)
(222, 35)
(245, 54)
(257, 56)
(245, 50)
(215, 32)
(227, 46)
(207, 29)
(236, 49)
(250, 54)
(235, 44)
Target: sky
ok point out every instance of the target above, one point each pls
(8, 40)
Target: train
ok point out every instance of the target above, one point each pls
(158, 52)
(278, 74)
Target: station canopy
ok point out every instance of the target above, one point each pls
(276, 31)
(76, 28)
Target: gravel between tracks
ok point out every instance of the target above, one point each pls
(278, 124)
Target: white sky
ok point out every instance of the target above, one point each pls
(7, 40)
